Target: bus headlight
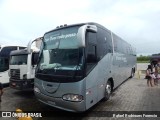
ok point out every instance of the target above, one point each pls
(37, 90)
(72, 97)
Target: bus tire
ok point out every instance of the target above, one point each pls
(108, 90)
(132, 73)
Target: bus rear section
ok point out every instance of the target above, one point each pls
(77, 67)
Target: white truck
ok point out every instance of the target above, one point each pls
(22, 66)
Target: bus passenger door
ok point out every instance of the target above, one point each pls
(91, 69)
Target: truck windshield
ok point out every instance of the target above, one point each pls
(60, 52)
(18, 60)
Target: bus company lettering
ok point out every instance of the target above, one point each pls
(60, 37)
(121, 59)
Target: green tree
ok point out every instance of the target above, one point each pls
(142, 58)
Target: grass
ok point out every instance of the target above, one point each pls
(142, 61)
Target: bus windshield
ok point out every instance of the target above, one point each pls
(4, 57)
(60, 59)
(18, 60)
(61, 39)
(4, 64)
(60, 51)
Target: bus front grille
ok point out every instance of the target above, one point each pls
(15, 74)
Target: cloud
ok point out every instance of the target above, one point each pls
(135, 21)
(26, 20)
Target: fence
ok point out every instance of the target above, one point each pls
(141, 73)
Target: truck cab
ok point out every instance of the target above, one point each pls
(22, 67)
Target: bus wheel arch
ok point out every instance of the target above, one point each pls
(108, 89)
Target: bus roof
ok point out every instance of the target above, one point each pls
(79, 24)
(87, 23)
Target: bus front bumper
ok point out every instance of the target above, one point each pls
(60, 103)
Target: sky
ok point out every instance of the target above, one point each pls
(135, 21)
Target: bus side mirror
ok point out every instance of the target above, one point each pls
(82, 32)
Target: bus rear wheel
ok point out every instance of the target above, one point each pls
(108, 90)
(132, 73)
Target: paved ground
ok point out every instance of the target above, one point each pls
(132, 95)
(142, 66)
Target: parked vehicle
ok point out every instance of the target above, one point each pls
(81, 64)
(154, 59)
(4, 61)
(22, 67)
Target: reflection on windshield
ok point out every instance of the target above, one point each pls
(62, 39)
(18, 60)
(66, 59)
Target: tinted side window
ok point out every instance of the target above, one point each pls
(91, 56)
(119, 45)
(4, 64)
(91, 37)
(104, 41)
(91, 48)
(6, 51)
(22, 48)
(35, 58)
(107, 45)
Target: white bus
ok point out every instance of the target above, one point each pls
(4, 61)
(81, 64)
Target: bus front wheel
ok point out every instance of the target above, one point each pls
(108, 90)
